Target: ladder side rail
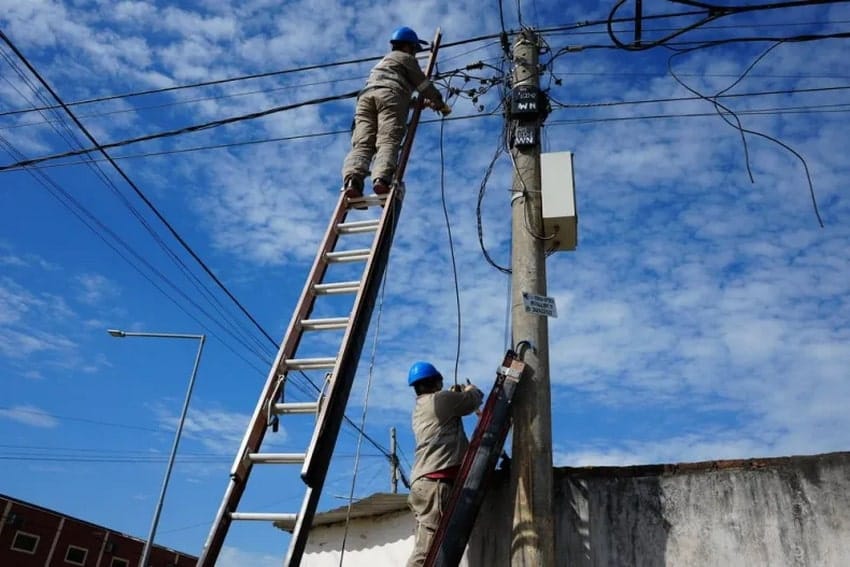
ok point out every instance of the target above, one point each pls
(407, 146)
(256, 430)
(450, 539)
(331, 416)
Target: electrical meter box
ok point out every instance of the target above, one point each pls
(524, 101)
(560, 219)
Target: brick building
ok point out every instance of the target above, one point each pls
(32, 536)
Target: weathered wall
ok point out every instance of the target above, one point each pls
(790, 512)
(778, 512)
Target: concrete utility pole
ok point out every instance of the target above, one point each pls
(532, 542)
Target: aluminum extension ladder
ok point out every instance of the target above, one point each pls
(329, 408)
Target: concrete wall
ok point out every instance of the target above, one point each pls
(779, 512)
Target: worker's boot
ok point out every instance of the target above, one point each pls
(380, 187)
(353, 189)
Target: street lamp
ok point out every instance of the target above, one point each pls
(201, 338)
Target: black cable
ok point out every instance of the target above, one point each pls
(478, 215)
(498, 36)
(451, 246)
(72, 141)
(739, 126)
(778, 111)
(755, 7)
(135, 187)
(690, 98)
(644, 46)
(245, 143)
(713, 12)
(162, 219)
(101, 230)
(197, 85)
(173, 103)
(178, 131)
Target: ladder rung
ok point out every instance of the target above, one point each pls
(296, 407)
(368, 200)
(264, 516)
(324, 324)
(336, 287)
(277, 458)
(310, 363)
(358, 227)
(349, 255)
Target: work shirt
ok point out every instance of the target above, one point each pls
(400, 71)
(440, 439)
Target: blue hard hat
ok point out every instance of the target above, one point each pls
(420, 371)
(406, 35)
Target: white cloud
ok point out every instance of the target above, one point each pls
(235, 557)
(95, 289)
(29, 415)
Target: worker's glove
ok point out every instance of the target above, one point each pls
(456, 388)
(445, 110)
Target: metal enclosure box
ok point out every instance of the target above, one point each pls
(559, 201)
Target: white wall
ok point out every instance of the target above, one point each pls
(371, 542)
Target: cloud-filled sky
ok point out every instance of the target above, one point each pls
(704, 315)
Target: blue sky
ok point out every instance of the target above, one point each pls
(703, 316)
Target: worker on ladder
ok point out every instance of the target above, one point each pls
(380, 117)
(441, 444)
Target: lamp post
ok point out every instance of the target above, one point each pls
(200, 338)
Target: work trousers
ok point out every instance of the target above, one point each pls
(428, 500)
(380, 119)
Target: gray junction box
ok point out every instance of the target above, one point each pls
(560, 220)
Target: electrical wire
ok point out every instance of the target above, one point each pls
(499, 37)
(451, 246)
(151, 206)
(135, 187)
(737, 124)
(712, 12)
(478, 215)
(116, 243)
(66, 133)
(171, 104)
(183, 130)
(200, 84)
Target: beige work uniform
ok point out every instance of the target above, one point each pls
(440, 444)
(380, 117)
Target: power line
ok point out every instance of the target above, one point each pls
(137, 109)
(179, 131)
(777, 111)
(558, 105)
(712, 12)
(135, 187)
(100, 230)
(247, 77)
(691, 98)
(197, 85)
(66, 134)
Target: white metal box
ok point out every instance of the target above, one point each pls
(560, 219)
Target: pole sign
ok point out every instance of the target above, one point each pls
(539, 304)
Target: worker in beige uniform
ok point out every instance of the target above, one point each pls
(380, 117)
(440, 446)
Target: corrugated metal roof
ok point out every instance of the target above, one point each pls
(374, 505)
